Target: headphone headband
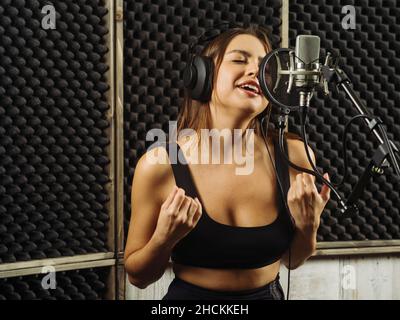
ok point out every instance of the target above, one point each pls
(211, 33)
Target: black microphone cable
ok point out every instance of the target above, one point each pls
(284, 110)
(280, 186)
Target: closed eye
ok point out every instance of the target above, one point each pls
(239, 61)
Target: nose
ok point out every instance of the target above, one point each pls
(253, 69)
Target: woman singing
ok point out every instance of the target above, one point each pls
(226, 233)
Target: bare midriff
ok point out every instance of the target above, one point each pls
(227, 279)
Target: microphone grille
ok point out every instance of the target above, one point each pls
(307, 48)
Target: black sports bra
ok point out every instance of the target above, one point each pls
(215, 245)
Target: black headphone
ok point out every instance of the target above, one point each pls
(198, 73)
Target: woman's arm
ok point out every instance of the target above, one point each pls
(156, 225)
(306, 206)
(303, 246)
(146, 258)
(148, 264)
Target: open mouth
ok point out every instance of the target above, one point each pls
(249, 90)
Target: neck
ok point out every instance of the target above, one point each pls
(227, 134)
(228, 118)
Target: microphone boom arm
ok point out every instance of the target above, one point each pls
(386, 147)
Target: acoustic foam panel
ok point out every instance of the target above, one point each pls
(85, 284)
(53, 130)
(369, 56)
(156, 38)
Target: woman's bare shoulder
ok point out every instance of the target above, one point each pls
(297, 152)
(155, 159)
(153, 171)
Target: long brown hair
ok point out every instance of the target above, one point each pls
(196, 115)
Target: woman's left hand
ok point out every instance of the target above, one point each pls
(305, 203)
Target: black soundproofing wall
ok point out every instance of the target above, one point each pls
(156, 38)
(85, 284)
(53, 133)
(370, 58)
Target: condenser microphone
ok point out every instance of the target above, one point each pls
(307, 61)
(287, 75)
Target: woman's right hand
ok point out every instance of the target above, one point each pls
(179, 214)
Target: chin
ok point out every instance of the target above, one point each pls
(250, 109)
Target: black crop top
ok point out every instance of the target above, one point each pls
(215, 245)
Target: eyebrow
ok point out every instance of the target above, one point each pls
(244, 52)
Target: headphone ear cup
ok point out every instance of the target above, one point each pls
(208, 85)
(197, 78)
(189, 76)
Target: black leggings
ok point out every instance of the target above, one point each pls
(182, 290)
